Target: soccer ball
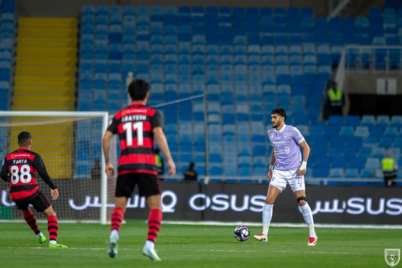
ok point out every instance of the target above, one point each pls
(241, 233)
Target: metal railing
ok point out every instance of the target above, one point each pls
(369, 59)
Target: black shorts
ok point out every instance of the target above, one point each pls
(40, 203)
(148, 184)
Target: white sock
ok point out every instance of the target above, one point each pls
(52, 241)
(150, 244)
(266, 218)
(308, 218)
(114, 233)
(39, 235)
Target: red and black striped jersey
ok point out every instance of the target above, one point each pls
(21, 166)
(135, 125)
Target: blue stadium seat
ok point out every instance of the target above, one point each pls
(362, 131)
(379, 153)
(357, 162)
(351, 173)
(391, 132)
(88, 10)
(385, 142)
(349, 151)
(215, 158)
(337, 173)
(368, 120)
(322, 162)
(377, 130)
(364, 152)
(338, 162)
(398, 142)
(335, 152)
(332, 130)
(244, 161)
(383, 120)
(320, 173)
(366, 174)
(230, 171)
(338, 141)
(372, 163)
(200, 169)
(396, 152)
(260, 172)
(352, 120)
(370, 141)
(396, 121)
(245, 172)
(215, 171)
(347, 131)
(316, 130)
(230, 161)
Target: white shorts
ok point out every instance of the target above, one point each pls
(281, 178)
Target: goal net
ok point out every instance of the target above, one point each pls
(70, 145)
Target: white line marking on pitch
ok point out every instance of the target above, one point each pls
(209, 250)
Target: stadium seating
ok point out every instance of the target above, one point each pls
(7, 45)
(382, 27)
(247, 62)
(7, 40)
(185, 52)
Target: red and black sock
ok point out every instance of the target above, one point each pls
(31, 220)
(52, 227)
(117, 218)
(154, 224)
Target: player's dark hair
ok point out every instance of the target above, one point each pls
(24, 138)
(279, 111)
(192, 165)
(138, 89)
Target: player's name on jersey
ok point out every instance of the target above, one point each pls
(278, 142)
(134, 118)
(20, 161)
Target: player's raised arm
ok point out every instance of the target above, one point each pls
(41, 168)
(4, 171)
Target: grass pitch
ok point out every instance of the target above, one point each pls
(196, 246)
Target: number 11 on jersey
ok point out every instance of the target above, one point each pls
(129, 127)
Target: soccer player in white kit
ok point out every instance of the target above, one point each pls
(289, 169)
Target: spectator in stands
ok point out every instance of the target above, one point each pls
(335, 99)
(190, 174)
(159, 164)
(389, 169)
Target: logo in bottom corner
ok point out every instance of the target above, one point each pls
(392, 256)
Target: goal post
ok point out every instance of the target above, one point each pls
(70, 144)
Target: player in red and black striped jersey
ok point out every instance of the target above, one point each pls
(137, 125)
(19, 169)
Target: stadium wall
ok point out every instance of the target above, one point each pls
(237, 202)
(71, 9)
(366, 84)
